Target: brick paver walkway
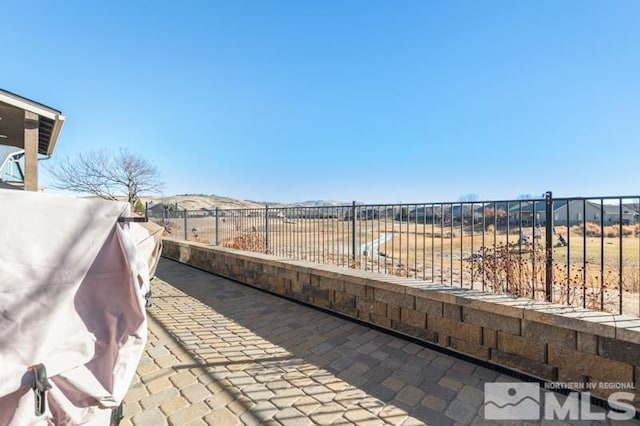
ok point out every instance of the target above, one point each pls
(221, 353)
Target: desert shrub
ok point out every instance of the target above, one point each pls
(629, 230)
(631, 279)
(613, 231)
(510, 269)
(248, 241)
(609, 231)
(592, 229)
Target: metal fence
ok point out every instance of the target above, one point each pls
(575, 251)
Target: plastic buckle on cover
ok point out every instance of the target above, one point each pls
(132, 219)
(40, 387)
(147, 298)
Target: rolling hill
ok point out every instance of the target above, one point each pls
(211, 202)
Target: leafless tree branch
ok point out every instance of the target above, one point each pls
(107, 175)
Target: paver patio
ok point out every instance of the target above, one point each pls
(222, 353)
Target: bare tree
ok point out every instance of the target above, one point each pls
(107, 175)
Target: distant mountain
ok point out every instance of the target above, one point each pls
(211, 202)
(203, 202)
(319, 203)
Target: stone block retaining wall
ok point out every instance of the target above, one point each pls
(551, 342)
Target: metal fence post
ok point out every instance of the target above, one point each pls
(266, 228)
(217, 227)
(185, 225)
(549, 246)
(354, 243)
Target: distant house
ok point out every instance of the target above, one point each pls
(467, 212)
(368, 213)
(160, 210)
(578, 211)
(424, 214)
(155, 209)
(571, 213)
(203, 211)
(527, 212)
(612, 215)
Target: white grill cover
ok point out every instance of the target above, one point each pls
(72, 285)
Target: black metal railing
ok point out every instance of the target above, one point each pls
(575, 251)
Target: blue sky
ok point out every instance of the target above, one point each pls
(374, 101)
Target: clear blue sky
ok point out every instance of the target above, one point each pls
(375, 101)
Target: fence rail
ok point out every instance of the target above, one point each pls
(575, 251)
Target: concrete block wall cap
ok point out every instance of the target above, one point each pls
(598, 323)
(436, 294)
(419, 285)
(629, 331)
(553, 308)
(264, 256)
(483, 295)
(399, 284)
(437, 287)
(417, 290)
(298, 267)
(315, 269)
(359, 273)
(587, 315)
(497, 307)
(387, 286)
(357, 280)
(331, 274)
(306, 264)
(413, 282)
(395, 280)
(626, 321)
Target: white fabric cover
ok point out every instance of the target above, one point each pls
(72, 285)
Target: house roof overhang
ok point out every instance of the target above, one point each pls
(12, 122)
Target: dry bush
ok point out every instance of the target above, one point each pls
(510, 269)
(521, 272)
(248, 241)
(613, 231)
(609, 231)
(579, 286)
(631, 280)
(630, 230)
(592, 229)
